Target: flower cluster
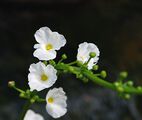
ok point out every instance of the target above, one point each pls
(84, 51)
(42, 76)
(48, 43)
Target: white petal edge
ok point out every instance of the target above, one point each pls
(34, 77)
(42, 35)
(44, 55)
(31, 115)
(57, 40)
(83, 53)
(58, 107)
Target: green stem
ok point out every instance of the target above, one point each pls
(88, 74)
(127, 89)
(19, 90)
(61, 60)
(88, 61)
(98, 80)
(72, 63)
(26, 107)
(40, 100)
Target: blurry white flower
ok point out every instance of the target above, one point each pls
(31, 115)
(41, 76)
(56, 102)
(84, 51)
(49, 42)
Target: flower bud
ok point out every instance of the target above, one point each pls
(85, 80)
(22, 95)
(117, 84)
(11, 83)
(45, 62)
(127, 96)
(80, 76)
(28, 92)
(92, 54)
(95, 67)
(32, 100)
(139, 88)
(103, 74)
(36, 97)
(120, 89)
(71, 69)
(130, 83)
(64, 56)
(79, 63)
(52, 62)
(123, 74)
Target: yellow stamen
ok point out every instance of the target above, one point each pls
(49, 46)
(50, 100)
(44, 77)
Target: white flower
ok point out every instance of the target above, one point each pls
(49, 42)
(31, 115)
(41, 76)
(56, 102)
(84, 51)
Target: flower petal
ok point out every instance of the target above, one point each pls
(31, 115)
(48, 42)
(42, 35)
(35, 76)
(57, 40)
(36, 86)
(36, 67)
(44, 55)
(55, 111)
(58, 107)
(84, 51)
(37, 46)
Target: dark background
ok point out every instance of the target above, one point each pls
(114, 25)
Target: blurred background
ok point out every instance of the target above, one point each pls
(115, 26)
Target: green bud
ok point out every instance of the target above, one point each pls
(28, 92)
(80, 76)
(32, 100)
(64, 56)
(92, 54)
(139, 88)
(85, 80)
(22, 95)
(11, 83)
(62, 63)
(45, 62)
(123, 74)
(130, 83)
(103, 74)
(71, 69)
(120, 89)
(95, 67)
(36, 97)
(79, 63)
(127, 96)
(117, 84)
(52, 62)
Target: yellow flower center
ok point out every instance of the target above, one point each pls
(44, 77)
(50, 100)
(48, 46)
